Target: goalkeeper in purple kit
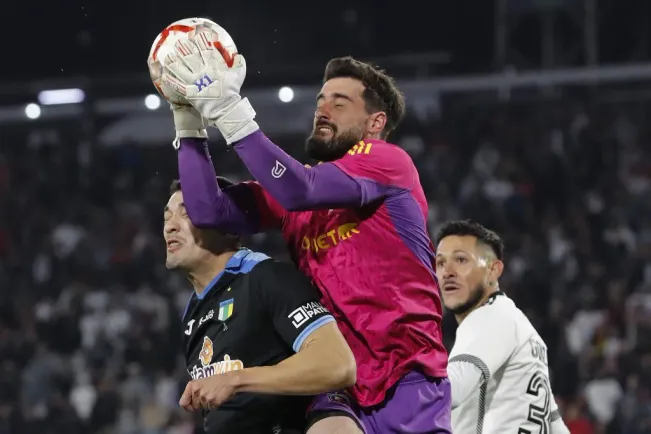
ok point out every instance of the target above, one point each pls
(356, 225)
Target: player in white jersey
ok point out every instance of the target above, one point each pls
(498, 365)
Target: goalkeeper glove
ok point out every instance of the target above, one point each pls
(199, 72)
(188, 123)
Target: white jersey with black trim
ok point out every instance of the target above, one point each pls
(499, 374)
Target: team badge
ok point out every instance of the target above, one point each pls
(225, 310)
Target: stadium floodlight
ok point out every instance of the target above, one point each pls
(32, 111)
(61, 96)
(286, 94)
(152, 102)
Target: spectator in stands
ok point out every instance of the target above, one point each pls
(90, 324)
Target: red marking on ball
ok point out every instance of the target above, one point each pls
(228, 57)
(165, 33)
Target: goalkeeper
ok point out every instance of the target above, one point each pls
(356, 225)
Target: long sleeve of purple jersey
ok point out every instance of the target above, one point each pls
(297, 187)
(232, 210)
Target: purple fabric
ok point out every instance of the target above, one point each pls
(296, 187)
(419, 406)
(232, 210)
(411, 226)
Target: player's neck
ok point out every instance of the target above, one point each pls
(201, 277)
(369, 136)
(479, 303)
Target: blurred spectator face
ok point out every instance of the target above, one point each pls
(464, 269)
(183, 250)
(341, 119)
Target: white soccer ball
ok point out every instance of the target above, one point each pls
(163, 46)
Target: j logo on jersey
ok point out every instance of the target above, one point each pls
(225, 309)
(209, 369)
(205, 318)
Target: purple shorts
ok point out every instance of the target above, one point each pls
(415, 405)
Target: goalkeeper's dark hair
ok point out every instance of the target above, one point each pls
(380, 93)
(471, 228)
(222, 242)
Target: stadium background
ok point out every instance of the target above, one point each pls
(530, 116)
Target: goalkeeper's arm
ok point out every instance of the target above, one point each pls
(237, 208)
(297, 187)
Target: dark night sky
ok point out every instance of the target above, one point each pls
(59, 39)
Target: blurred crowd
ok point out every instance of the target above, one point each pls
(90, 318)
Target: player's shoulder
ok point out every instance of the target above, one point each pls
(269, 266)
(500, 313)
(497, 309)
(247, 262)
(501, 304)
(271, 270)
(380, 162)
(377, 149)
(497, 301)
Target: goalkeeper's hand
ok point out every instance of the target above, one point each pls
(200, 73)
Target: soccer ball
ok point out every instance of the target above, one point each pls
(163, 46)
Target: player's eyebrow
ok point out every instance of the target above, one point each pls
(335, 95)
(453, 252)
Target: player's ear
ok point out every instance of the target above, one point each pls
(376, 123)
(497, 267)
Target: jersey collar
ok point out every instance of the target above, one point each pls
(241, 262)
(232, 266)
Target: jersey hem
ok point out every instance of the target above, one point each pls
(382, 397)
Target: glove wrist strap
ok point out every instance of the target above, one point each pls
(185, 134)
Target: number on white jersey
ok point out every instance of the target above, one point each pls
(540, 409)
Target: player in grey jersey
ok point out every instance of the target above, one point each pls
(498, 365)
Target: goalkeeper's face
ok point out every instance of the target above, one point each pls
(181, 237)
(341, 119)
(464, 270)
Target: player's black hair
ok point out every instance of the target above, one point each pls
(380, 91)
(222, 242)
(221, 182)
(471, 228)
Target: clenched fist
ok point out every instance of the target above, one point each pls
(209, 393)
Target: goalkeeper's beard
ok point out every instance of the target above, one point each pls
(336, 146)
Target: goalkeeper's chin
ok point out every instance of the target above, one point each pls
(324, 149)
